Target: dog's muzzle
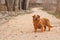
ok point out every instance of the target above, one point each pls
(35, 18)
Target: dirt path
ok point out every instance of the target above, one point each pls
(21, 28)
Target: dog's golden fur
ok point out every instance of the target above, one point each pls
(41, 23)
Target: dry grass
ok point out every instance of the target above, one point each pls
(3, 7)
(5, 16)
(56, 14)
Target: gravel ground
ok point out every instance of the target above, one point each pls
(5, 16)
(21, 28)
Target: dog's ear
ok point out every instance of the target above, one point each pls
(38, 16)
(33, 16)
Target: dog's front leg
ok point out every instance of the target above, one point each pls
(49, 28)
(35, 28)
(42, 28)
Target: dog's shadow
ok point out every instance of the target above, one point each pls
(39, 31)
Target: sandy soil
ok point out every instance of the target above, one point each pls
(21, 28)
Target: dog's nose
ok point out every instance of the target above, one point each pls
(36, 19)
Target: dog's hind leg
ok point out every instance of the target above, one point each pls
(49, 26)
(44, 28)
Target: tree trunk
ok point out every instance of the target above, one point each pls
(25, 4)
(20, 6)
(58, 7)
(9, 4)
(16, 5)
(0, 1)
(46, 4)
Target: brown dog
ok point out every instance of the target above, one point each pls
(41, 23)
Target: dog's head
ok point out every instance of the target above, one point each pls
(36, 17)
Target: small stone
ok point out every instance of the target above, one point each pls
(35, 35)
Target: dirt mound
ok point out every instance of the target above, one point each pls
(3, 7)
